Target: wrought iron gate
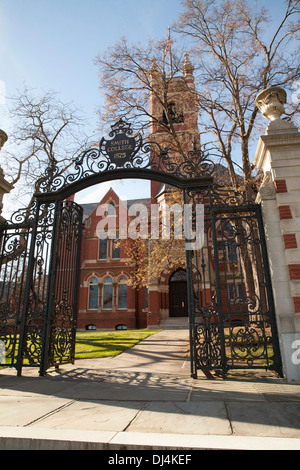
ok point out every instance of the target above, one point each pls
(40, 250)
(232, 316)
(231, 309)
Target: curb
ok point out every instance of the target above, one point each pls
(16, 438)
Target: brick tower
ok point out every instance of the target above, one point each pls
(174, 111)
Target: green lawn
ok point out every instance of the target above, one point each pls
(96, 344)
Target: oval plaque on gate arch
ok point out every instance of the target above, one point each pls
(123, 146)
(120, 149)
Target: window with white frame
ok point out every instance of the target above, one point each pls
(115, 249)
(103, 248)
(122, 293)
(93, 294)
(111, 208)
(236, 292)
(107, 294)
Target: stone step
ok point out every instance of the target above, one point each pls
(175, 323)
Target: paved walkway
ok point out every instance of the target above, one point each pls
(146, 399)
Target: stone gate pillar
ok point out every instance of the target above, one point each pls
(278, 156)
(5, 186)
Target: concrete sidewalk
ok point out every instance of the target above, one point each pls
(145, 399)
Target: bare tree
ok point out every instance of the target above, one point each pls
(128, 75)
(238, 52)
(44, 131)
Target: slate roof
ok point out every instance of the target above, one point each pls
(88, 208)
(221, 176)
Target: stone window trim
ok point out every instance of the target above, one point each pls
(93, 281)
(108, 282)
(110, 251)
(122, 281)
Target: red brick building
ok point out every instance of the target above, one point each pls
(107, 299)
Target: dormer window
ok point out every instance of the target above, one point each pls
(111, 208)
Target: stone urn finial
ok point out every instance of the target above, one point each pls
(3, 138)
(187, 67)
(271, 102)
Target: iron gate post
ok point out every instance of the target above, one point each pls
(191, 303)
(76, 289)
(29, 278)
(218, 292)
(50, 290)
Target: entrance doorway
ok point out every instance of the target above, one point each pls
(178, 294)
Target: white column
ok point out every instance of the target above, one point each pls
(278, 156)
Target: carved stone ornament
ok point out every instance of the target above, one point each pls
(3, 138)
(267, 188)
(271, 102)
(187, 67)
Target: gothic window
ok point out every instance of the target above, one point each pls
(115, 249)
(231, 292)
(108, 293)
(111, 209)
(179, 275)
(122, 293)
(227, 251)
(176, 115)
(93, 294)
(103, 248)
(236, 292)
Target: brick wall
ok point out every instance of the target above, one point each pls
(286, 172)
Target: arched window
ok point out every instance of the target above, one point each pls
(179, 275)
(111, 209)
(108, 293)
(122, 293)
(93, 294)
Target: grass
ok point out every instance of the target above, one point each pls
(97, 344)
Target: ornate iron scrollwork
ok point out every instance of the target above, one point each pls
(232, 320)
(126, 150)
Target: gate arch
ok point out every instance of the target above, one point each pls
(40, 255)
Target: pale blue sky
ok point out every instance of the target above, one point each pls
(52, 44)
